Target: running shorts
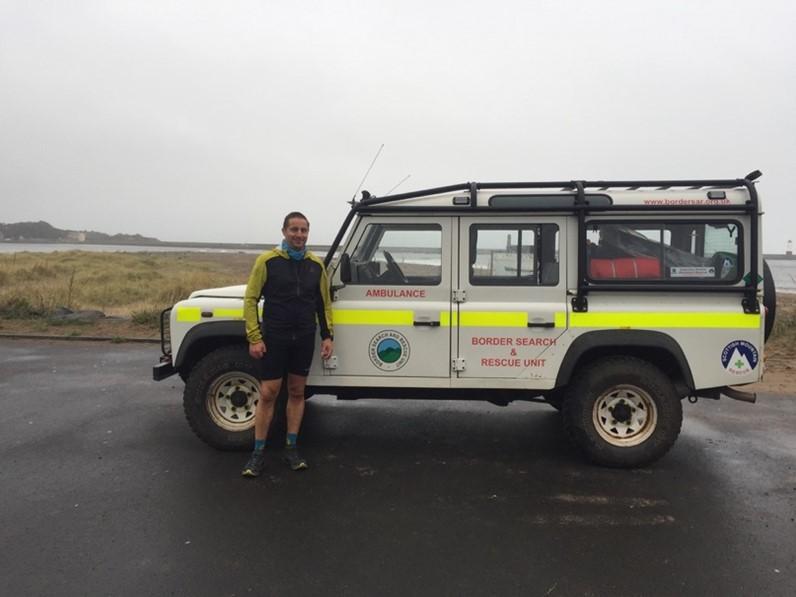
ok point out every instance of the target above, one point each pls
(286, 352)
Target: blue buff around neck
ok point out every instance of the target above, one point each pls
(294, 254)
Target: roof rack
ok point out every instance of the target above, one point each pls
(572, 185)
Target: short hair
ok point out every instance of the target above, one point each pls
(294, 214)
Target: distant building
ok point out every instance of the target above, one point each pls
(789, 248)
(76, 237)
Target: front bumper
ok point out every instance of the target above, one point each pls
(163, 369)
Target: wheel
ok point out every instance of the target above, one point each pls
(393, 267)
(220, 397)
(622, 412)
(769, 299)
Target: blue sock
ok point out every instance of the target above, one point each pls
(291, 439)
(259, 444)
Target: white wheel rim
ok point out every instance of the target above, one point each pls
(625, 416)
(232, 399)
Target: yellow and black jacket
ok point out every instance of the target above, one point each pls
(296, 294)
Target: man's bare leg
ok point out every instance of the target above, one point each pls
(295, 414)
(295, 401)
(263, 414)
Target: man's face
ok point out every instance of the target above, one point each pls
(296, 233)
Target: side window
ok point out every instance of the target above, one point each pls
(397, 254)
(664, 251)
(514, 255)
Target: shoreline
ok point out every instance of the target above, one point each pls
(174, 245)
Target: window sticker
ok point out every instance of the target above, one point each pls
(692, 272)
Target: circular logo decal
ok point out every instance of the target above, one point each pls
(739, 357)
(389, 350)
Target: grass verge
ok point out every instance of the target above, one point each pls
(133, 288)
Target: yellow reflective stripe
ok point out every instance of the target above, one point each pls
(447, 319)
(485, 319)
(231, 313)
(189, 314)
(663, 320)
(493, 319)
(369, 317)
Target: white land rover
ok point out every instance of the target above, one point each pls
(611, 300)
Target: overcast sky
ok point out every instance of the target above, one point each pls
(208, 121)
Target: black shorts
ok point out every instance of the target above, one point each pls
(286, 353)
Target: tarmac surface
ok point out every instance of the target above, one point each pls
(105, 491)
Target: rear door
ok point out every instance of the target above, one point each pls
(511, 309)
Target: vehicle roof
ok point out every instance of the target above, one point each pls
(535, 196)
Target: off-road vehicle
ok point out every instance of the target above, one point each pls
(612, 300)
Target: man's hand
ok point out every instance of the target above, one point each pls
(327, 348)
(257, 350)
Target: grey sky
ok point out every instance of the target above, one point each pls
(208, 121)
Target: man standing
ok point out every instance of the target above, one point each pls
(295, 290)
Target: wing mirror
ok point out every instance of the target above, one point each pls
(345, 268)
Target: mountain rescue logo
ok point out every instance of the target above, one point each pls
(389, 350)
(739, 357)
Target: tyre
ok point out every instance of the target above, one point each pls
(769, 299)
(555, 398)
(622, 412)
(220, 398)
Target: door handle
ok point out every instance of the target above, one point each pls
(541, 324)
(430, 324)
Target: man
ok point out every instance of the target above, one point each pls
(295, 289)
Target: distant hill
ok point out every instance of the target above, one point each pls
(45, 232)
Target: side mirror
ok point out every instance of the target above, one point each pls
(345, 268)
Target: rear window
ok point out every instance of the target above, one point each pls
(677, 252)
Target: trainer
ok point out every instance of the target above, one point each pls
(295, 289)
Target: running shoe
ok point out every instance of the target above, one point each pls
(255, 465)
(294, 459)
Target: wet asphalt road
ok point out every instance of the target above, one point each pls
(105, 491)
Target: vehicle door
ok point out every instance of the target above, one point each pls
(393, 317)
(511, 307)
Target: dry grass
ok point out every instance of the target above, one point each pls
(130, 285)
(781, 347)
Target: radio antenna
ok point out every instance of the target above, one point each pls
(403, 180)
(376, 157)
